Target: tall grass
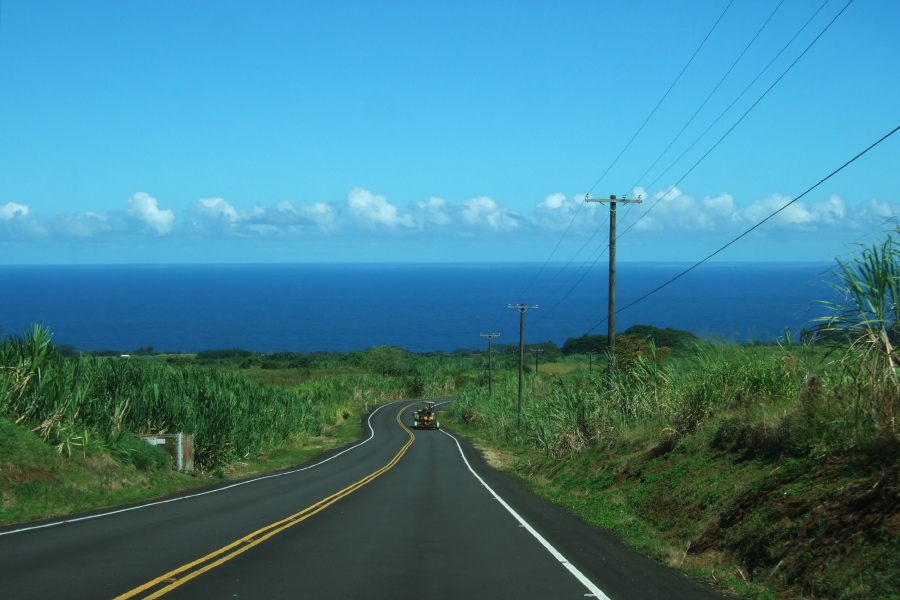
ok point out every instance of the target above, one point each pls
(783, 401)
(864, 330)
(564, 415)
(78, 402)
(73, 403)
(842, 395)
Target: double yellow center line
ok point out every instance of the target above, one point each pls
(185, 573)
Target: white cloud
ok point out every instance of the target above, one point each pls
(322, 215)
(216, 216)
(670, 194)
(373, 211)
(432, 213)
(553, 201)
(760, 209)
(673, 211)
(286, 207)
(484, 212)
(799, 215)
(834, 208)
(278, 219)
(557, 213)
(882, 209)
(663, 214)
(670, 210)
(89, 225)
(216, 208)
(722, 205)
(11, 209)
(146, 209)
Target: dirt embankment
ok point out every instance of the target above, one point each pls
(834, 532)
(786, 528)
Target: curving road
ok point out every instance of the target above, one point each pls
(400, 514)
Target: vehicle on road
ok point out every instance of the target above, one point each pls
(424, 417)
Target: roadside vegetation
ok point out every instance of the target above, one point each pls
(772, 469)
(67, 418)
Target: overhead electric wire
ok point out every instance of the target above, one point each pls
(677, 136)
(722, 114)
(555, 248)
(714, 90)
(661, 100)
(548, 312)
(694, 266)
(571, 260)
(577, 283)
(743, 116)
(633, 137)
(580, 250)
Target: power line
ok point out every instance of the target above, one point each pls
(758, 100)
(738, 122)
(587, 269)
(555, 248)
(547, 313)
(691, 268)
(633, 137)
(587, 265)
(661, 100)
(580, 250)
(714, 90)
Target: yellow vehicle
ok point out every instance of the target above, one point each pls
(424, 417)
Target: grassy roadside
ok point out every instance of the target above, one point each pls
(758, 527)
(66, 442)
(36, 482)
(299, 451)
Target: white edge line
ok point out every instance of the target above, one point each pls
(197, 495)
(595, 591)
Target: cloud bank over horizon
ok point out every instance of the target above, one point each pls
(662, 213)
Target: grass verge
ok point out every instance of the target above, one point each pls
(759, 527)
(36, 482)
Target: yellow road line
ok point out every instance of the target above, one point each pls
(243, 544)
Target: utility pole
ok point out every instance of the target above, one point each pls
(490, 337)
(611, 318)
(537, 352)
(590, 362)
(521, 308)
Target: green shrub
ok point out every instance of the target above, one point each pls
(138, 453)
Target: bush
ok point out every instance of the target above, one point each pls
(138, 453)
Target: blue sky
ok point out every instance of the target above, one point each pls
(237, 131)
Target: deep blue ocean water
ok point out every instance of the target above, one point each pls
(422, 308)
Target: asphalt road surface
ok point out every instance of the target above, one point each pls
(401, 514)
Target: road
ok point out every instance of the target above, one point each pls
(401, 514)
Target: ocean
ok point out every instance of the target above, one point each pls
(419, 307)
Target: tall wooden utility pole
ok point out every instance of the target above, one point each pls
(521, 308)
(537, 352)
(490, 337)
(611, 317)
